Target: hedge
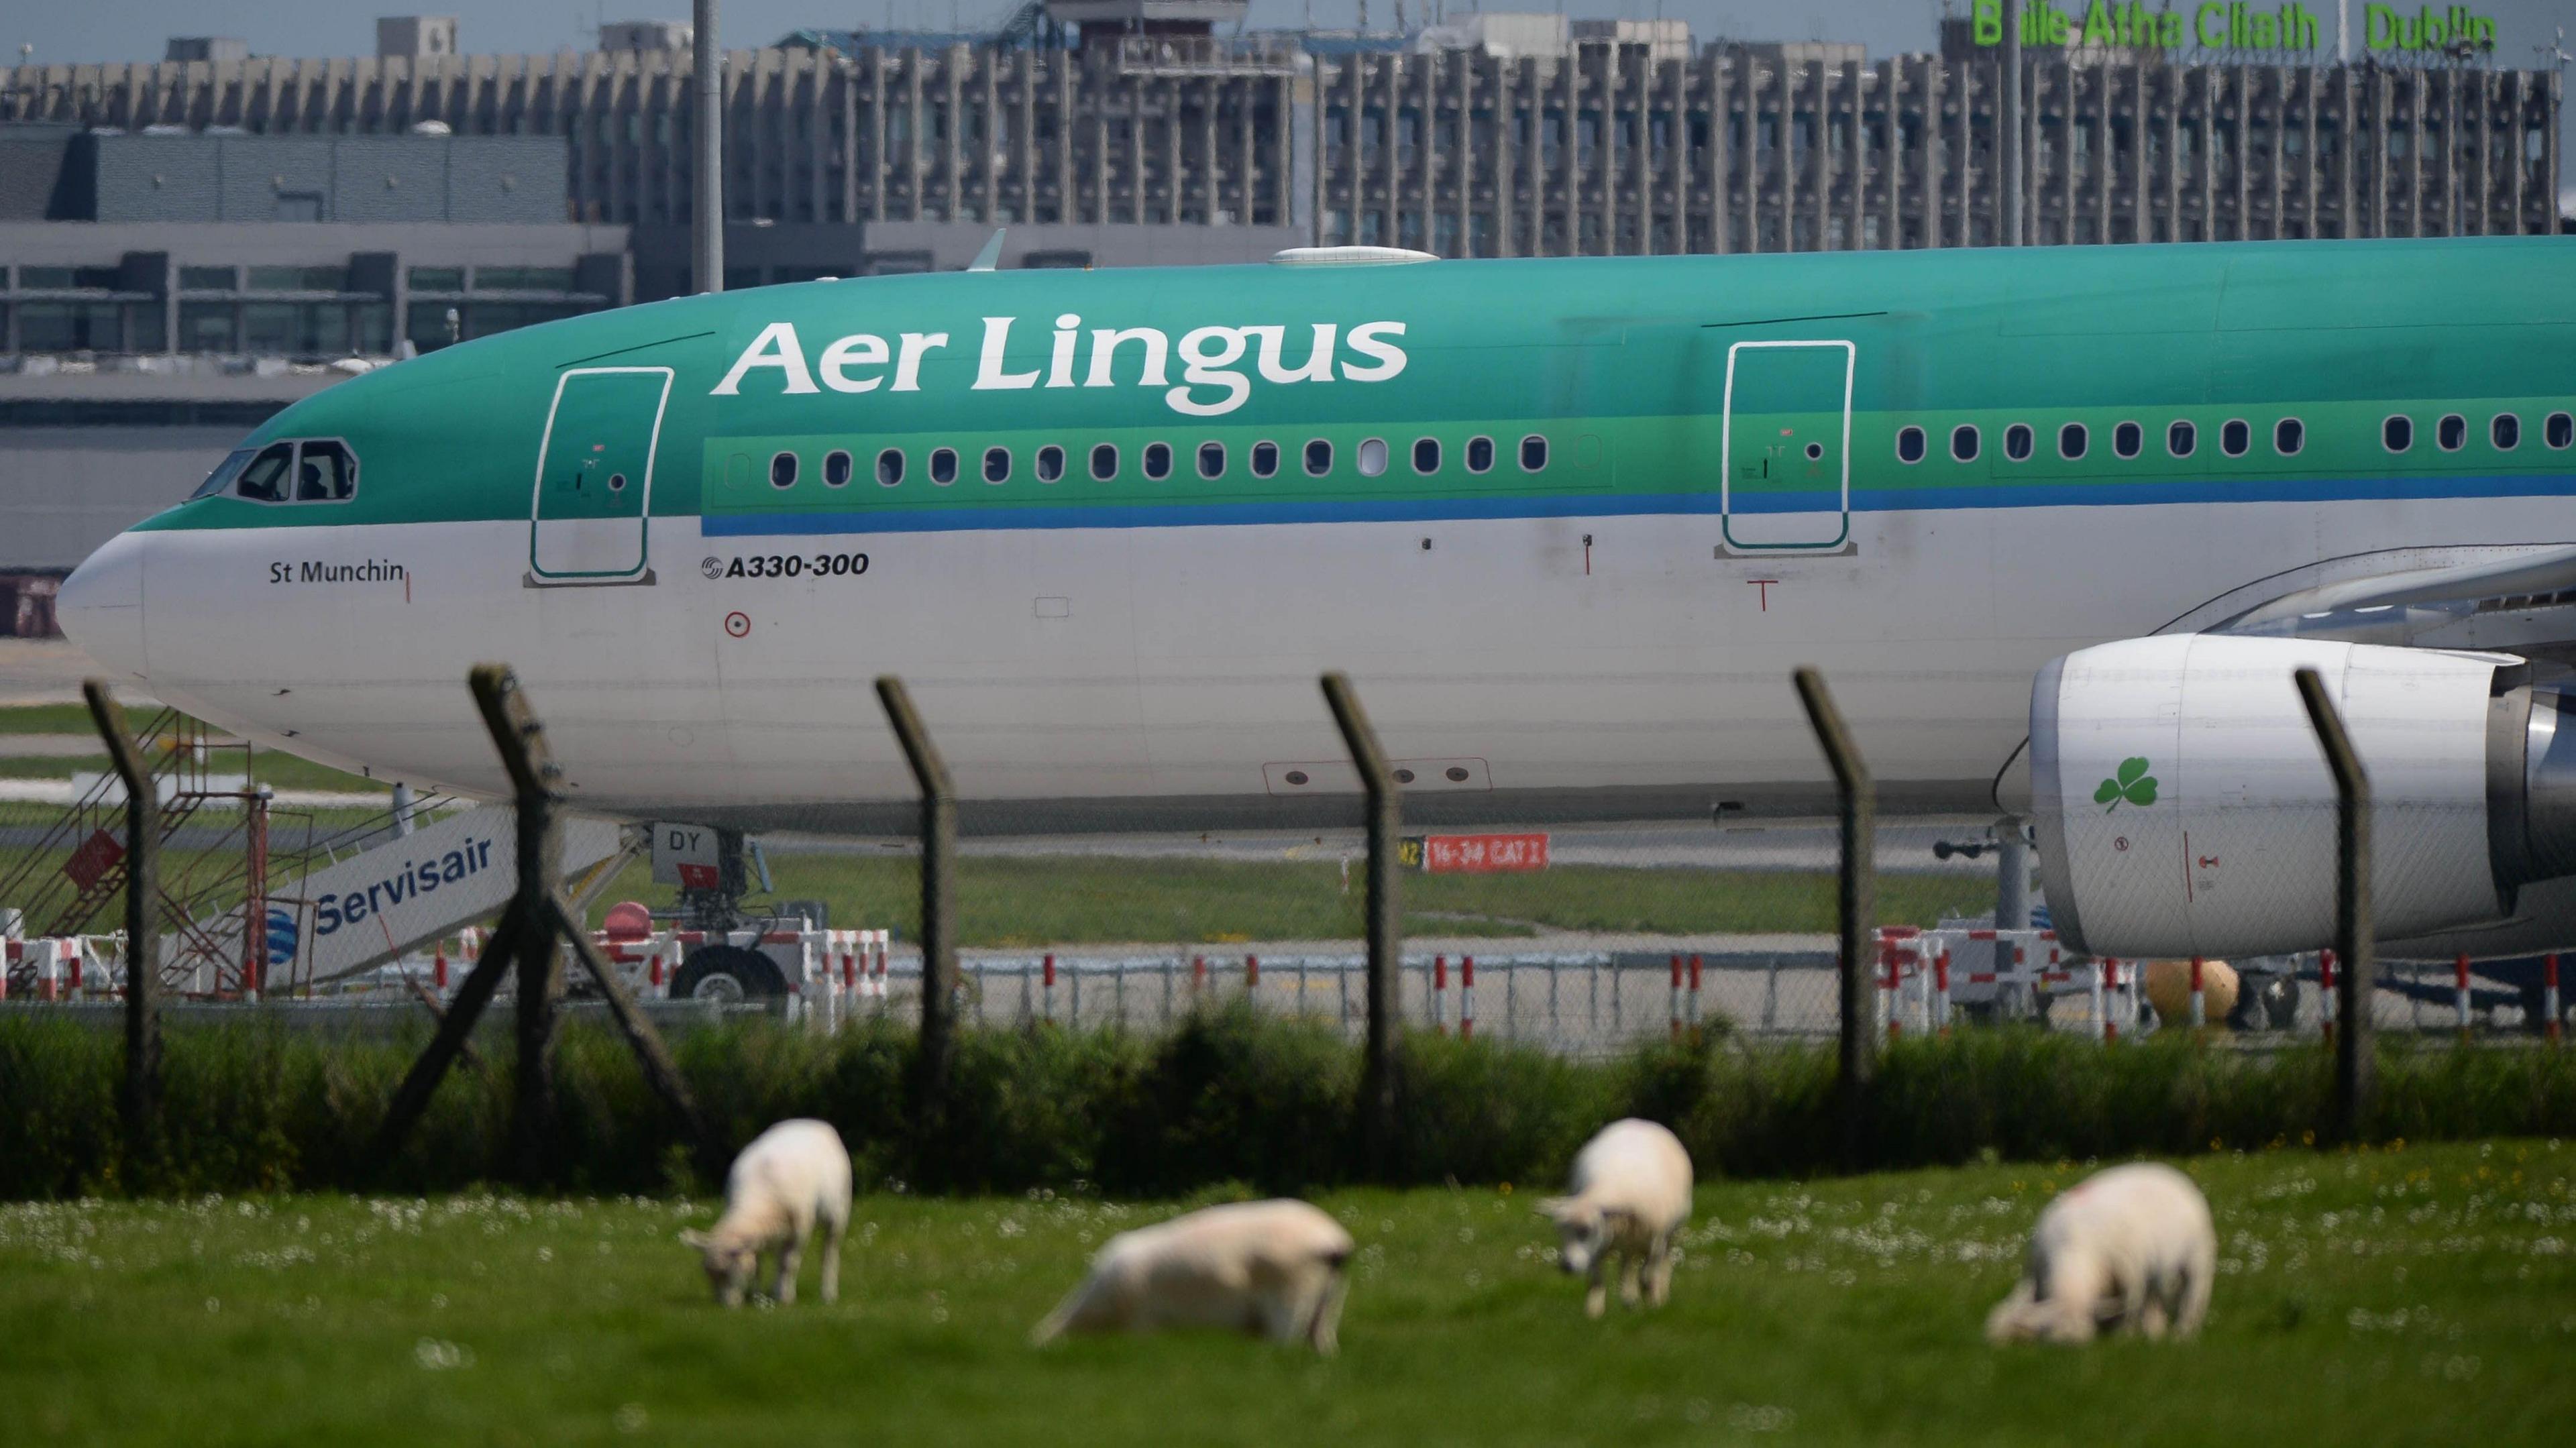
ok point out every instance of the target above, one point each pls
(1230, 1096)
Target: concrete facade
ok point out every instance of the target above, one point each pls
(353, 179)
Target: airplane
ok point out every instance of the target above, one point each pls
(2052, 521)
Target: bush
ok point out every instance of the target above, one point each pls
(1233, 1100)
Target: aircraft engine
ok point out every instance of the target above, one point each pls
(2184, 807)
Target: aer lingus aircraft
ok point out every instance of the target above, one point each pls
(2056, 523)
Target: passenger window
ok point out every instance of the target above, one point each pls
(836, 469)
(2071, 441)
(782, 470)
(2288, 436)
(2234, 437)
(2017, 442)
(997, 465)
(2505, 432)
(1963, 442)
(2181, 439)
(1426, 454)
(1104, 461)
(1533, 453)
(2559, 431)
(1909, 445)
(1265, 459)
(2397, 433)
(1480, 454)
(1372, 456)
(265, 480)
(890, 467)
(943, 465)
(1050, 464)
(1158, 460)
(1319, 457)
(1211, 459)
(2127, 439)
(325, 473)
(221, 479)
(2452, 432)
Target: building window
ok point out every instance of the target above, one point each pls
(836, 469)
(1265, 459)
(1426, 455)
(1104, 461)
(2288, 436)
(782, 470)
(1963, 442)
(436, 278)
(890, 467)
(1158, 460)
(2559, 431)
(2505, 431)
(2017, 442)
(2127, 439)
(1372, 456)
(1480, 454)
(1319, 457)
(2181, 439)
(1533, 453)
(2071, 441)
(943, 465)
(1909, 445)
(1211, 459)
(997, 465)
(216, 278)
(1050, 463)
(2397, 432)
(2452, 432)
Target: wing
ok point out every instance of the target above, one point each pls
(2517, 600)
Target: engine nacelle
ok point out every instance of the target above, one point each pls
(2184, 806)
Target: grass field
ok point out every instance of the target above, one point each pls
(2415, 1295)
(1038, 901)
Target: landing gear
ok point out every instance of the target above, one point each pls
(727, 975)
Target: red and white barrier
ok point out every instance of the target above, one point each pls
(2199, 1000)
(1440, 994)
(1046, 968)
(2461, 967)
(1466, 997)
(2326, 993)
(2549, 996)
(1941, 992)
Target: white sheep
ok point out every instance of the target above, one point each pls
(2128, 1248)
(791, 1180)
(1630, 1195)
(1275, 1269)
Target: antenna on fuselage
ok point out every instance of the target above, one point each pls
(991, 255)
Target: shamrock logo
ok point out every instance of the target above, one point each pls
(2132, 783)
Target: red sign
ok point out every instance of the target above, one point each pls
(96, 856)
(1483, 854)
(698, 877)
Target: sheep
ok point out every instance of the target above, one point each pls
(2128, 1248)
(791, 1180)
(1274, 1269)
(1630, 1195)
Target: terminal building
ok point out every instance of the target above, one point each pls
(1491, 135)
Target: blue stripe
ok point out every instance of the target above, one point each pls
(1608, 505)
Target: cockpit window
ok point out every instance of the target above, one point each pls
(269, 478)
(325, 473)
(221, 479)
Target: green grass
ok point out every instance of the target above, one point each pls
(1075, 900)
(2424, 1295)
(52, 719)
(268, 766)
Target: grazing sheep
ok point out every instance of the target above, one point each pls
(792, 1179)
(1631, 1193)
(2131, 1247)
(1275, 1269)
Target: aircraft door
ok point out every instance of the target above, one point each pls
(1786, 446)
(595, 476)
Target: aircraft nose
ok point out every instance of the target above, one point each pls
(101, 605)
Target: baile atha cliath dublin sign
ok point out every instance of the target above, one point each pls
(2230, 25)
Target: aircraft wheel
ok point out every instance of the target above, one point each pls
(727, 975)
